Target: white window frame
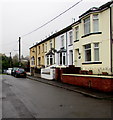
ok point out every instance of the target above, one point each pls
(50, 44)
(45, 47)
(96, 47)
(38, 49)
(87, 25)
(42, 47)
(70, 37)
(62, 41)
(95, 23)
(85, 50)
(77, 33)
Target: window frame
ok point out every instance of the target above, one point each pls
(95, 23)
(77, 33)
(70, 37)
(62, 41)
(86, 50)
(96, 48)
(87, 26)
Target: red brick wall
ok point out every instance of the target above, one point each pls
(101, 84)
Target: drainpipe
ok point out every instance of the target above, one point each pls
(36, 56)
(111, 41)
(66, 50)
(54, 52)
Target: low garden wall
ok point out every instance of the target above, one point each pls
(101, 83)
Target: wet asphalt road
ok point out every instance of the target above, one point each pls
(25, 98)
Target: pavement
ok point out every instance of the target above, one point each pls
(85, 91)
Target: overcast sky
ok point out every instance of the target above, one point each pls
(19, 17)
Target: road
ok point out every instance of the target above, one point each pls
(25, 98)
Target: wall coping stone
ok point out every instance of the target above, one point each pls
(97, 76)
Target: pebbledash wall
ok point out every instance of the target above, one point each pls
(92, 50)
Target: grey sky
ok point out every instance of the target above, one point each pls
(19, 17)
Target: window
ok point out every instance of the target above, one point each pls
(47, 59)
(87, 25)
(45, 47)
(33, 61)
(51, 59)
(39, 61)
(60, 58)
(62, 40)
(96, 51)
(39, 50)
(87, 52)
(64, 59)
(50, 44)
(71, 37)
(76, 33)
(42, 47)
(71, 57)
(95, 23)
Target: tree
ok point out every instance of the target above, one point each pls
(4, 62)
(15, 61)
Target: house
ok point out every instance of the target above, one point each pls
(62, 45)
(33, 59)
(86, 43)
(93, 39)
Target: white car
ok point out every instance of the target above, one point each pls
(9, 71)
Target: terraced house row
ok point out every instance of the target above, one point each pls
(87, 43)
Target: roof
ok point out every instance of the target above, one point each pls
(54, 35)
(95, 9)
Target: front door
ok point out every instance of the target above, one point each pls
(77, 58)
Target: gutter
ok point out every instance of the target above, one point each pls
(66, 51)
(36, 56)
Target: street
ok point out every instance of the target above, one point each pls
(25, 98)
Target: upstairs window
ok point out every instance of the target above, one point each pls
(39, 61)
(42, 47)
(50, 44)
(39, 50)
(76, 33)
(45, 47)
(71, 37)
(87, 25)
(95, 23)
(62, 41)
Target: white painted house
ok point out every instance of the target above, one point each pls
(64, 47)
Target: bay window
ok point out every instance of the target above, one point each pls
(96, 51)
(87, 25)
(87, 52)
(95, 23)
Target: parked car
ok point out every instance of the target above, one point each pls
(20, 72)
(13, 70)
(9, 71)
